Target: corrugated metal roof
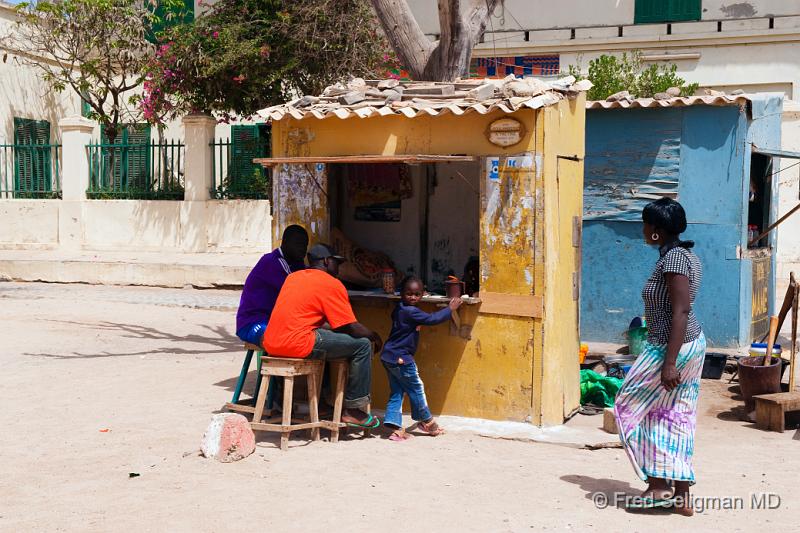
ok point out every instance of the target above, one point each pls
(371, 98)
(713, 100)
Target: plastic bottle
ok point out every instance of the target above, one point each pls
(752, 233)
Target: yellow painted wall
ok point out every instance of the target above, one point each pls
(563, 200)
(488, 376)
(395, 134)
(501, 369)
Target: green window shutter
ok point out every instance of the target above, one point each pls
(170, 17)
(131, 161)
(684, 10)
(42, 156)
(114, 176)
(86, 109)
(138, 156)
(32, 158)
(247, 143)
(653, 11)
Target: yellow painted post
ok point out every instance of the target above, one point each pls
(563, 127)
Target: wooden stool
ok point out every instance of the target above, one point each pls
(289, 369)
(772, 408)
(341, 368)
(248, 406)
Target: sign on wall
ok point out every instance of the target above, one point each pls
(505, 132)
(500, 67)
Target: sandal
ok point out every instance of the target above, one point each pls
(649, 503)
(431, 428)
(399, 437)
(371, 422)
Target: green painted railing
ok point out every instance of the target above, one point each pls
(136, 171)
(30, 171)
(235, 176)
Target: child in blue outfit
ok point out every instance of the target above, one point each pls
(398, 360)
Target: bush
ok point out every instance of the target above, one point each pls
(612, 74)
(244, 55)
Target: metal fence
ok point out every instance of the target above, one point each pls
(234, 175)
(134, 171)
(30, 171)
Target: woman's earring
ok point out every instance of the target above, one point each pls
(654, 237)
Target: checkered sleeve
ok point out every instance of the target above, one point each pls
(677, 262)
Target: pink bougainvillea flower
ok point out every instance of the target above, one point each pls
(215, 35)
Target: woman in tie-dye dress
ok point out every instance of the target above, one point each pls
(656, 408)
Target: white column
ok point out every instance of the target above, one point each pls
(76, 133)
(198, 133)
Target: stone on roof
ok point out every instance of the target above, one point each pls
(367, 98)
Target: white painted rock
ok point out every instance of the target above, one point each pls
(228, 438)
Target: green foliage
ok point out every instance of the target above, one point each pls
(96, 48)
(612, 74)
(258, 185)
(243, 55)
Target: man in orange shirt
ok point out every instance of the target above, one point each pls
(308, 300)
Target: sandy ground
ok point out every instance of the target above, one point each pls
(152, 365)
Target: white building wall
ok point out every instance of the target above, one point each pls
(24, 94)
(750, 45)
(516, 15)
(789, 184)
(738, 9)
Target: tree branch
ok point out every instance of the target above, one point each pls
(460, 27)
(406, 37)
(450, 22)
(478, 17)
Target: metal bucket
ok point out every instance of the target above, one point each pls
(755, 378)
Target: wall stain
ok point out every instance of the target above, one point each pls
(740, 10)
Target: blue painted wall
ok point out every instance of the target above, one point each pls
(699, 155)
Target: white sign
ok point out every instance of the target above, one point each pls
(505, 132)
(493, 165)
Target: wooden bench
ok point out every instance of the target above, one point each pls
(771, 409)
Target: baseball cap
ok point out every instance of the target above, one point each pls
(323, 251)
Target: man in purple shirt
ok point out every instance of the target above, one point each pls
(265, 281)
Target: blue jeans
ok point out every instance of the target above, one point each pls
(332, 345)
(404, 379)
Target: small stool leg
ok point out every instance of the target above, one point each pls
(258, 379)
(258, 415)
(288, 389)
(271, 390)
(338, 401)
(242, 376)
(313, 404)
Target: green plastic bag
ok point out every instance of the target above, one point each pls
(597, 389)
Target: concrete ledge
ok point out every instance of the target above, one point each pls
(106, 268)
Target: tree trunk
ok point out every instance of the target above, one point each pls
(446, 59)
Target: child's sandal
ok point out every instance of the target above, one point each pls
(431, 428)
(399, 436)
